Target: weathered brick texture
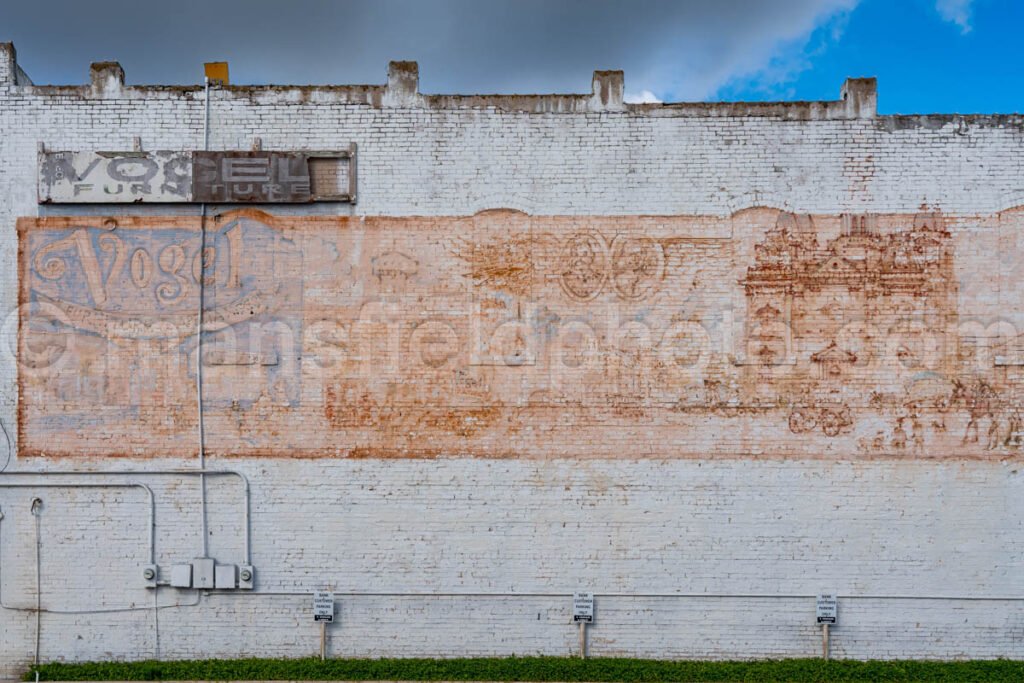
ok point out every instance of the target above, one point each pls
(848, 425)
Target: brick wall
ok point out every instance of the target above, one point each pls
(903, 536)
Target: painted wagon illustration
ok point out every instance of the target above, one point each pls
(831, 417)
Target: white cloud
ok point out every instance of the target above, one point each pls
(773, 79)
(956, 12)
(642, 97)
(761, 45)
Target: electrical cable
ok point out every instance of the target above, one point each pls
(10, 446)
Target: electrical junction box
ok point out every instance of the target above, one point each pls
(150, 574)
(181, 576)
(224, 576)
(246, 577)
(202, 572)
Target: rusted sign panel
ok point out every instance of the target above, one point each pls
(266, 177)
(249, 177)
(501, 335)
(212, 177)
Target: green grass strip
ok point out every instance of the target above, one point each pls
(534, 669)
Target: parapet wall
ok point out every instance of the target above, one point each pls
(107, 79)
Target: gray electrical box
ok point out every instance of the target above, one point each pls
(150, 574)
(246, 577)
(202, 572)
(181, 576)
(224, 576)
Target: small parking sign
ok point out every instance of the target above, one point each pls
(323, 606)
(827, 608)
(583, 608)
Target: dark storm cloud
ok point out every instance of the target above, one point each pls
(682, 50)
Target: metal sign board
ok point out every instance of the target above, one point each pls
(250, 177)
(827, 608)
(583, 608)
(222, 177)
(323, 606)
(114, 177)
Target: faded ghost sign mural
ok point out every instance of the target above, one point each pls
(763, 334)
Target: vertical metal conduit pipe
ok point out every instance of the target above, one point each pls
(37, 505)
(199, 325)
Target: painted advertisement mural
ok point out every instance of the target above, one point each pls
(761, 334)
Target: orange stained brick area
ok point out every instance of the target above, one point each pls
(503, 335)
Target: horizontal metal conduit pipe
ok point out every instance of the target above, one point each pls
(726, 596)
(152, 549)
(142, 473)
(248, 560)
(138, 485)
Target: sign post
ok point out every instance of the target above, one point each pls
(323, 612)
(583, 614)
(826, 613)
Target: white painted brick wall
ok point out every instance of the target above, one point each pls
(433, 530)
